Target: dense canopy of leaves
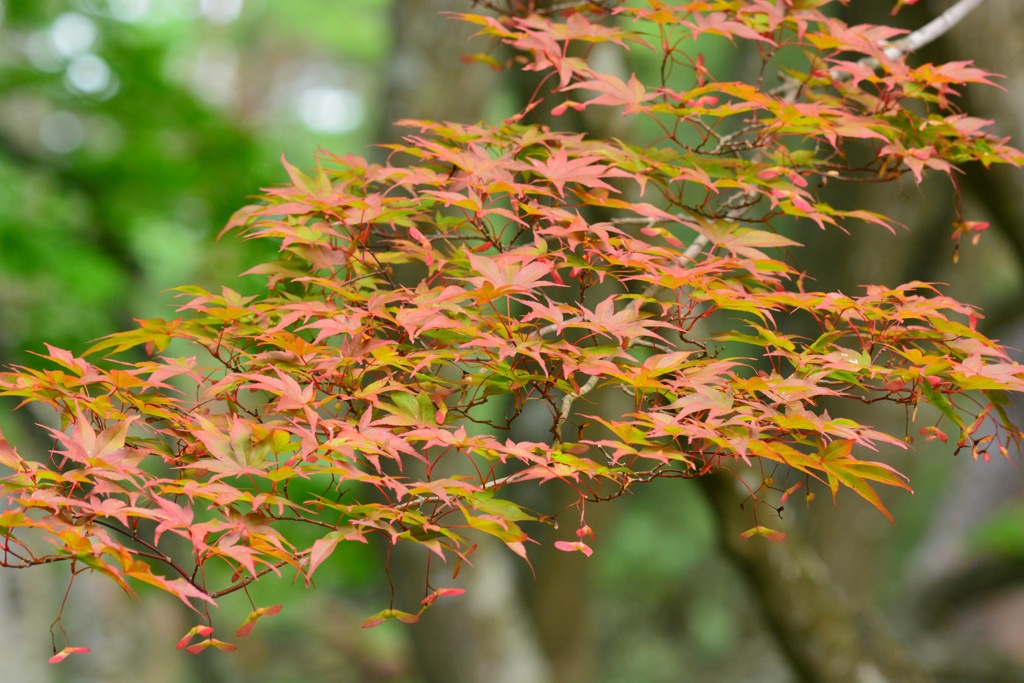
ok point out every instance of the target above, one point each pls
(420, 311)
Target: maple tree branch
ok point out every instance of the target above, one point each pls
(34, 561)
(911, 42)
(933, 30)
(242, 583)
(644, 478)
(696, 247)
(420, 501)
(151, 552)
(567, 402)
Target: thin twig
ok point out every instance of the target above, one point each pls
(242, 583)
(420, 501)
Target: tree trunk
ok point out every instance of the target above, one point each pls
(825, 637)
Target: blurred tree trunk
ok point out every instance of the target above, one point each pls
(990, 37)
(825, 637)
(959, 593)
(24, 647)
(426, 78)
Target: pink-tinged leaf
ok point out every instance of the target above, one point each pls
(67, 652)
(625, 325)
(321, 550)
(315, 186)
(574, 547)
(613, 91)
(68, 360)
(770, 534)
(588, 171)
(179, 587)
(508, 273)
(747, 242)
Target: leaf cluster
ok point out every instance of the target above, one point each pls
(421, 313)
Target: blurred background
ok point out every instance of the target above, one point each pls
(130, 130)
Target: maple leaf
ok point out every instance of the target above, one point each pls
(624, 325)
(588, 171)
(508, 273)
(613, 91)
